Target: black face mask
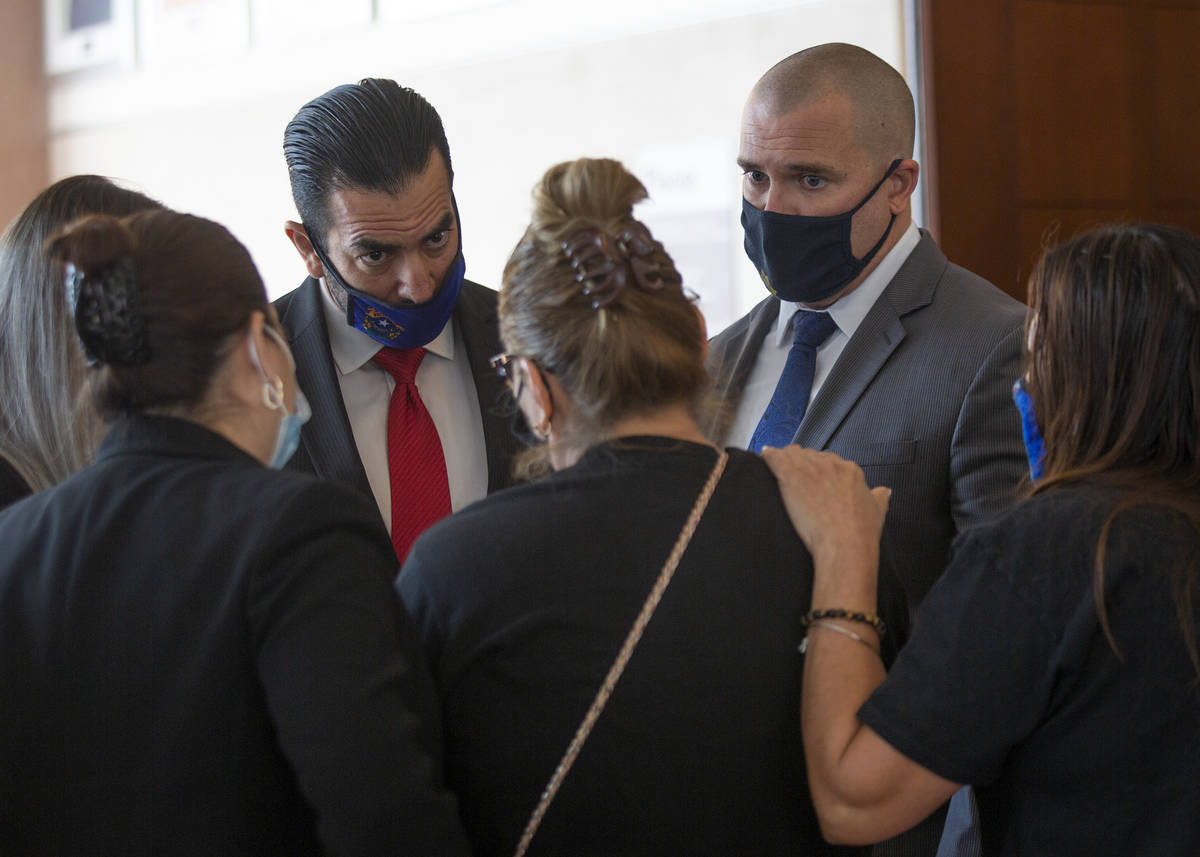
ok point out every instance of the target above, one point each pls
(807, 259)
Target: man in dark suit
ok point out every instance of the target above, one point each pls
(911, 367)
(371, 177)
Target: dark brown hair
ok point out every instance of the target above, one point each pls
(642, 350)
(47, 430)
(197, 286)
(1114, 373)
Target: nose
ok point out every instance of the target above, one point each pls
(416, 280)
(775, 201)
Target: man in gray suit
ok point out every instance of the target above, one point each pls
(911, 368)
(914, 381)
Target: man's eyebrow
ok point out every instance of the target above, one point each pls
(371, 245)
(443, 225)
(367, 244)
(797, 168)
(815, 169)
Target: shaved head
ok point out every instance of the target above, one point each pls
(884, 118)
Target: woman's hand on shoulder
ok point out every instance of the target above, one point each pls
(828, 500)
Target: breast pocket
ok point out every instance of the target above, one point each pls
(883, 454)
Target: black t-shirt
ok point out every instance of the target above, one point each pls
(1010, 684)
(524, 599)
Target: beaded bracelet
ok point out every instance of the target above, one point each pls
(841, 613)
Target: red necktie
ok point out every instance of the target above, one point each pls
(416, 465)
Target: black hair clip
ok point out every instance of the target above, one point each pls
(108, 314)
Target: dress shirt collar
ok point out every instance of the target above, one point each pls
(849, 310)
(351, 348)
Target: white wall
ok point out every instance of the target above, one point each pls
(520, 85)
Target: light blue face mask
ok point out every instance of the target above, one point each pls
(287, 436)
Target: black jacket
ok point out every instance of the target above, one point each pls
(203, 656)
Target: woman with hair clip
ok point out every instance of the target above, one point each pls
(47, 430)
(199, 654)
(649, 587)
(1054, 666)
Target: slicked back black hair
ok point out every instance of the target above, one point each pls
(374, 135)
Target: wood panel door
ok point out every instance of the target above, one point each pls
(1045, 117)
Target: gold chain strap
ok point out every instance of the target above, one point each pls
(618, 666)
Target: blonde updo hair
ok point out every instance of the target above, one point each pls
(639, 346)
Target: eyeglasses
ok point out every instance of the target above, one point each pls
(500, 363)
(503, 366)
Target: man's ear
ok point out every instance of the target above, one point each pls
(299, 238)
(901, 184)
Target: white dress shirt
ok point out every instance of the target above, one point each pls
(447, 388)
(847, 312)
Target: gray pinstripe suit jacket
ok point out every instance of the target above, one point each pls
(921, 399)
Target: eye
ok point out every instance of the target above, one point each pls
(438, 239)
(374, 257)
(755, 176)
(812, 181)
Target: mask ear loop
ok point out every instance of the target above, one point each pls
(272, 388)
(332, 273)
(871, 253)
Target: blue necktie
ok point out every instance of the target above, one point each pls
(786, 409)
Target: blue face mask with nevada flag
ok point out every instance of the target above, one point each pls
(402, 325)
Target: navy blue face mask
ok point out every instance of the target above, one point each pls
(807, 259)
(402, 325)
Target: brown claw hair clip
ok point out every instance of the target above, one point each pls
(604, 265)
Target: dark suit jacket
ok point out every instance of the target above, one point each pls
(203, 656)
(12, 486)
(921, 399)
(327, 442)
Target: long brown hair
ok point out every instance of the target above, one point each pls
(47, 430)
(1114, 372)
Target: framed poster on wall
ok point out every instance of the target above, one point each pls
(83, 34)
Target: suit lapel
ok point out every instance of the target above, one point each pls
(479, 326)
(880, 334)
(732, 356)
(327, 438)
